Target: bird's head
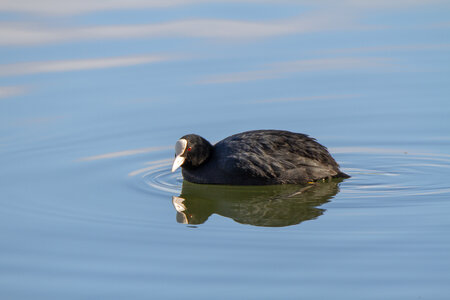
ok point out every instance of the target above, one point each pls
(191, 151)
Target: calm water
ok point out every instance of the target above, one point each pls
(93, 98)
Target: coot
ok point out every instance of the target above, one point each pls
(259, 157)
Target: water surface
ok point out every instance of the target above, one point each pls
(93, 98)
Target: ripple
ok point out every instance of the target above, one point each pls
(384, 173)
(158, 176)
(376, 172)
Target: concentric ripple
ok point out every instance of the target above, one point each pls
(158, 176)
(375, 172)
(392, 173)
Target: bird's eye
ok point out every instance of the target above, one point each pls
(189, 149)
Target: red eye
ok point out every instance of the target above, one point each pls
(189, 149)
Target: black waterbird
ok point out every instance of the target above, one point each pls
(259, 157)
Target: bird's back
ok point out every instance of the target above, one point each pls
(273, 157)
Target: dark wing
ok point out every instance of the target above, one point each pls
(274, 154)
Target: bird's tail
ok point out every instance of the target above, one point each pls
(342, 175)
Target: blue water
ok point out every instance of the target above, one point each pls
(90, 113)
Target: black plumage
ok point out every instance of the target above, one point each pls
(260, 157)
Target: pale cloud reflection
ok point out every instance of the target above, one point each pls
(77, 65)
(36, 121)
(389, 48)
(309, 98)
(277, 70)
(153, 165)
(389, 4)
(322, 15)
(58, 7)
(440, 25)
(30, 34)
(124, 153)
(11, 91)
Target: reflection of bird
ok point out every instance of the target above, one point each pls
(261, 157)
(273, 206)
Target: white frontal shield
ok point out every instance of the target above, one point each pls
(180, 147)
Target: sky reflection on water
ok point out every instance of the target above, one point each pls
(93, 95)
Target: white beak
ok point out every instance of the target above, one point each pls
(180, 147)
(179, 160)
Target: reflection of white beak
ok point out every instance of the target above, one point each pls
(179, 160)
(178, 203)
(180, 208)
